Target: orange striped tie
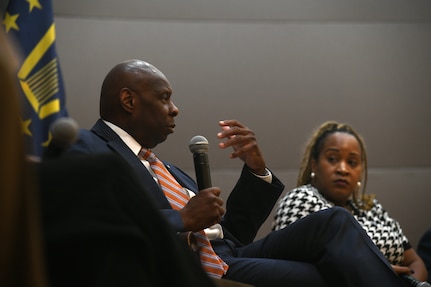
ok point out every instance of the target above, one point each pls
(178, 198)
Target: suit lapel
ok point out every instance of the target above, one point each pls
(115, 143)
(182, 179)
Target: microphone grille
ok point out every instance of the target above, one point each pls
(64, 131)
(198, 144)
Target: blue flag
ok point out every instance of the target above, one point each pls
(30, 24)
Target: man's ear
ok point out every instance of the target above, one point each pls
(127, 99)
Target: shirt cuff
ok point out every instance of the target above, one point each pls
(267, 177)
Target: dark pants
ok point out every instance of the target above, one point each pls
(326, 248)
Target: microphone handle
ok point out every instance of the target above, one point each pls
(202, 170)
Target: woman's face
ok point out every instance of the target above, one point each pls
(338, 168)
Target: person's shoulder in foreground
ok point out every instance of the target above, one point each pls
(101, 229)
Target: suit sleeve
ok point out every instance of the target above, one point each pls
(249, 205)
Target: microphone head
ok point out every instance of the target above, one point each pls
(64, 131)
(198, 144)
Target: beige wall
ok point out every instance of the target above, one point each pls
(281, 67)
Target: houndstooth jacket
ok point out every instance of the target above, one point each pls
(380, 227)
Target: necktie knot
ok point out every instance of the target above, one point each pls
(147, 155)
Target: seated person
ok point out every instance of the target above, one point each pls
(424, 251)
(334, 173)
(137, 114)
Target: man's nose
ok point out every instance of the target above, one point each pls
(174, 109)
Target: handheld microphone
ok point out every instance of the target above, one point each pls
(199, 147)
(64, 133)
(413, 282)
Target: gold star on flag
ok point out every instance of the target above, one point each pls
(25, 127)
(10, 22)
(34, 3)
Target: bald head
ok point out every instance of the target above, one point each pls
(126, 74)
(136, 97)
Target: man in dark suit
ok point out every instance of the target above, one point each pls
(327, 248)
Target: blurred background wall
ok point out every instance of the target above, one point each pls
(281, 68)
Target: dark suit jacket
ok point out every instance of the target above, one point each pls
(248, 205)
(100, 228)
